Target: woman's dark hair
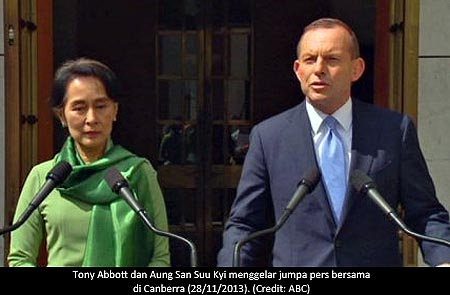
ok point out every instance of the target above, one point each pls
(82, 67)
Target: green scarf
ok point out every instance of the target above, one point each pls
(116, 237)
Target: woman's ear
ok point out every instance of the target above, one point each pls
(116, 111)
(60, 114)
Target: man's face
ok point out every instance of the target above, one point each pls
(325, 67)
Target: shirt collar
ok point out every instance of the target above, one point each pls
(343, 115)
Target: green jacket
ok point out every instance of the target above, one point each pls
(63, 221)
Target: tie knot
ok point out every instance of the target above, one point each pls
(331, 122)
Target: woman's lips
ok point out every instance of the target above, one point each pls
(92, 133)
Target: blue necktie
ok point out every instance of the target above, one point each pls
(333, 166)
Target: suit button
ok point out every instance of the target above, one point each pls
(338, 243)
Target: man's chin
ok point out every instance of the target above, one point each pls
(318, 98)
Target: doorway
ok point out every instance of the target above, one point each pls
(197, 75)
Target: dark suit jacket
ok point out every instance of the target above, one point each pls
(384, 146)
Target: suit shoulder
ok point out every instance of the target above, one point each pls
(378, 113)
(280, 120)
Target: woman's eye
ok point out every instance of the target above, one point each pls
(78, 109)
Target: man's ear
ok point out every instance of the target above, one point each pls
(358, 66)
(295, 67)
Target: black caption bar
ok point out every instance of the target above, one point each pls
(228, 280)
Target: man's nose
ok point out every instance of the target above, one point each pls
(319, 66)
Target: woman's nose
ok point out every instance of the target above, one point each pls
(91, 116)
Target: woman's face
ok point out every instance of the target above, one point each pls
(89, 115)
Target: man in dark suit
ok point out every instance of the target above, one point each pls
(325, 230)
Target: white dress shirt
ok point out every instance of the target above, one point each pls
(318, 131)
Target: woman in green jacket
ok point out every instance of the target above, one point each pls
(82, 221)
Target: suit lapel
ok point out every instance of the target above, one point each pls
(365, 135)
(303, 155)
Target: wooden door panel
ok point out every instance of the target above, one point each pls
(225, 177)
(178, 176)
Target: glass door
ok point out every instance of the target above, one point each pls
(204, 100)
